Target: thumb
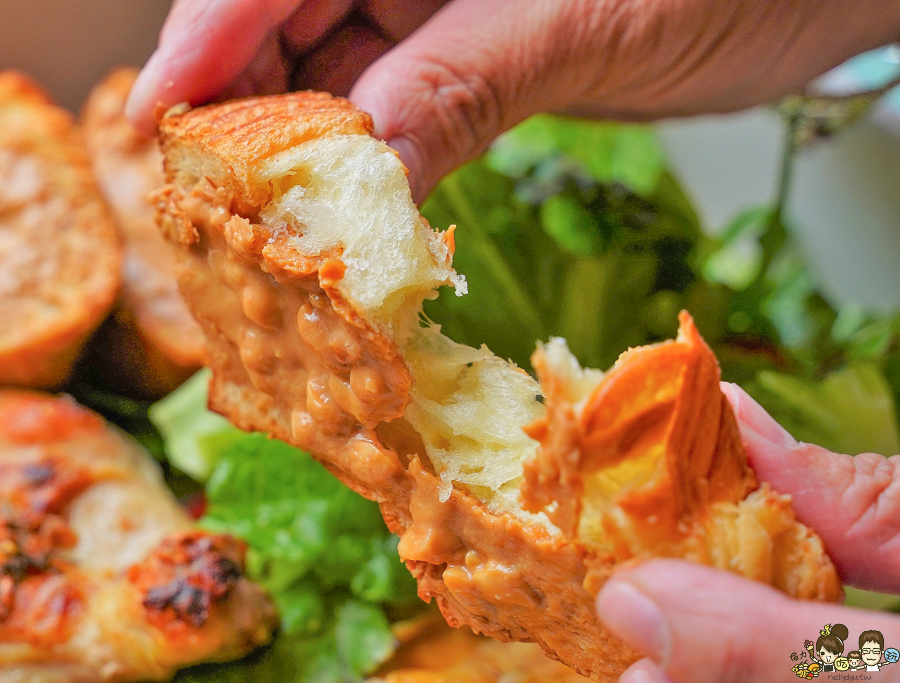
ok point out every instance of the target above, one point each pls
(203, 47)
(701, 625)
(470, 72)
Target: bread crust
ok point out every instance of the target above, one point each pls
(507, 575)
(61, 256)
(152, 343)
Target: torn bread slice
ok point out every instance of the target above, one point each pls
(306, 262)
(103, 577)
(59, 250)
(153, 340)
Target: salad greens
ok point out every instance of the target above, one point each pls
(568, 228)
(321, 551)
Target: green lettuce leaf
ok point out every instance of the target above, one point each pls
(851, 410)
(571, 228)
(322, 551)
(193, 436)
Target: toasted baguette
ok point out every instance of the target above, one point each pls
(103, 577)
(59, 251)
(306, 262)
(153, 341)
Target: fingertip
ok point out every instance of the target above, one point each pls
(411, 155)
(140, 105)
(752, 416)
(698, 603)
(644, 671)
(732, 393)
(633, 617)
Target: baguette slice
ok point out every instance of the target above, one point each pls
(103, 577)
(59, 250)
(153, 340)
(306, 262)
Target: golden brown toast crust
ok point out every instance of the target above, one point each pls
(61, 258)
(284, 347)
(243, 133)
(659, 426)
(152, 343)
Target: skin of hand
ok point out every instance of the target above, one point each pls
(695, 624)
(442, 78)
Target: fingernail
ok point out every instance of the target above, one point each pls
(753, 416)
(637, 676)
(409, 155)
(137, 107)
(643, 671)
(634, 618)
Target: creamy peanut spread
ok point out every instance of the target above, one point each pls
(305, 262)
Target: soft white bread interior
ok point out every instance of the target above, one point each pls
(305, 261)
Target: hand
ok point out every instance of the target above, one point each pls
(696, 624)
(443, 78)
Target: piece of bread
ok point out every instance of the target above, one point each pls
(431, 652)
(306, 262)
(59, 250)
(103, 577)
(152, 343)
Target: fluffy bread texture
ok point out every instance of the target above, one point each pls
(152, 344)
(59, 250)
(305, 261)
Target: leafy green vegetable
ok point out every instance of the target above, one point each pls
(607, 152)
(193, 435)
(321, 550)
(569, 228)
(850, 411)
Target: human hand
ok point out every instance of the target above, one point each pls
(696, 624)
(443, 78)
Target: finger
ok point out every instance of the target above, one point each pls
(312, 23)
(852, 502)
(335, 65)
(644, 671)
(471, 71)
(204, 46)
(268, 73)
(397, 19)
(701, 625)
